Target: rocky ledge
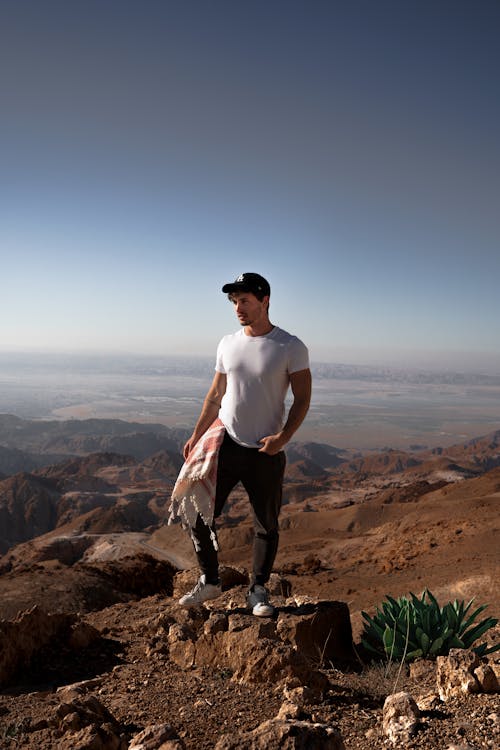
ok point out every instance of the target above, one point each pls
(154, 676)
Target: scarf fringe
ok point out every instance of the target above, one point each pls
(194, 491)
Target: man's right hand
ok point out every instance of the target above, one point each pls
(188, 447)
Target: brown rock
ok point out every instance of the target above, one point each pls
(23, 637)
(285, 735)
(87, 710)
(487, 679)
(263, 649)
(156, 737)
(183, 653)
(290, 710)
(320, 631)
(216, 623)
(455, 673)
(301, 696)
(422, 670)
(400, 717)
(182, 649)
(428, 702)
(82, 635)
(254, 658)
(91, 738)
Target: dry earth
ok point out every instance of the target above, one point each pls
(388, 524)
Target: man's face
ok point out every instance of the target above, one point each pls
(249, 310)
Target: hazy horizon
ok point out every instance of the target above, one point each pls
(353, 406)
(487, 363)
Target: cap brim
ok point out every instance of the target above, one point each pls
(233, 287)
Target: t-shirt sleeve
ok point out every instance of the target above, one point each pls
(219, 367)
(298, 356)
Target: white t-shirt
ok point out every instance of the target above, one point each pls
(257, 370)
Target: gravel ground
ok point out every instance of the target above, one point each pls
(201, 704)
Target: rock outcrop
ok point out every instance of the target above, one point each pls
(400, 717)
(290, 648)
(462, 672)
(30, 631)
(157, 737)
(285, 733)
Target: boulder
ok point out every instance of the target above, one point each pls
(285, 734)
(290, 648)
(157, 737)
(250, 650)
(82, 635)
(487, 677)
(22, 637)
(85, 711)
(455, 673)
(400, 717)
(321, 631)
(92, 738)
(86, 724)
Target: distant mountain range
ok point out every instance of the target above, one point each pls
(26, 444)
(113, 476)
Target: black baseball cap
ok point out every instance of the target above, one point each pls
(248, 282)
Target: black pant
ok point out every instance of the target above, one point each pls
(262, 477)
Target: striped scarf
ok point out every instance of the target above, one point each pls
(194, 491)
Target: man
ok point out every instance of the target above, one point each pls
(254, 368)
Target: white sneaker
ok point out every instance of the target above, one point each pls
(258, 602)
(202, 592)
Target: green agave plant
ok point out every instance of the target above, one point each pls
(411, 627)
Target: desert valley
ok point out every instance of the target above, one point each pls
(90, 573)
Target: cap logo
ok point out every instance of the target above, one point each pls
(241, 277)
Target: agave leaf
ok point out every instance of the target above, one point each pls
(466, 608)
(389, 612)
(432, 599)
(450, 615)
(455, 642)
(371, 648)
(425, 642)
(446, 633)
(414, 626)
(480, 649)
(426, 620)
(417, 654)
(393, 607)
(460, 610)
(436, 646)
(491, 649)
(403, 622)
(373, 628)
(474, 633)
(463, 627)
(388, 641)
(417, 603)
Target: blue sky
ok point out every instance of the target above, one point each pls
(349, 151)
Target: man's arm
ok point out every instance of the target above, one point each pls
(301, 388)
(209, 411)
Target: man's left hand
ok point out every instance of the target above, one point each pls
(272, 444)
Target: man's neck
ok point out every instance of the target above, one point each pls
(259, 329)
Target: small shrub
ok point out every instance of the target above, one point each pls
(411, 627)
